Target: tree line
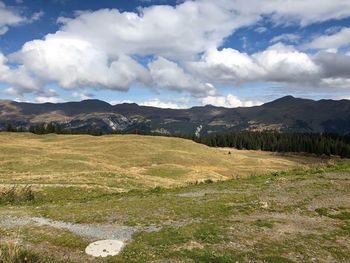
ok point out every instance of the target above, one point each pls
(316, 143)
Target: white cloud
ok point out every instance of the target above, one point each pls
(290, 38)
(279, 63)
(19, 79)
(99, 49)
(82, 96)
(12, 17)
(285, 64)
(181, 31)
(95, 48)
(333, 41)
(304, 12)
(76, 63)
(37, 16)
(43, 99)
(343, 83)
(167, 74)
(261, 29)
(180, 103)
(162, 104)
(229, 101)
(8, 18)
(226, 65)
(115, 102)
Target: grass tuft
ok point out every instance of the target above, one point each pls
(17, 194)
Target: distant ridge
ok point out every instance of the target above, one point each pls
(286, 114)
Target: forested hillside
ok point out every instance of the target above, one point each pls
(320, 144)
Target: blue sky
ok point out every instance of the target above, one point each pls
(174, 53)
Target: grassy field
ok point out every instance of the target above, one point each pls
(155, 192)
(121, 163)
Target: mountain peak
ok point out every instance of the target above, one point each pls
(286, 100)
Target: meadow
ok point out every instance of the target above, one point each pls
(169, 200)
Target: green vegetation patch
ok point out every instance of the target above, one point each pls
(339, 213)
(210, 255)
(55, 237)
(17, 195)
(263, 223)
(166, 171)
(277, 259)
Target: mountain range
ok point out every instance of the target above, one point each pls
(287, 114)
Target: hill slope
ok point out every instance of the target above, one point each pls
(285, 114)
(122, 162)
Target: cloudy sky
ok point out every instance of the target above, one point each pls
(171, 53)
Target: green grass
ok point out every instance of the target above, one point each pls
(168, 172)
(336, 214)
(277, 259)
(263, 223)
(55, 237)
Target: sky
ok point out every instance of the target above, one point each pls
(172, 53)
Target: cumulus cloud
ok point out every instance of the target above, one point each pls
(226, 65)
(74, 62)
(95, 49)
(168, 74)
(19, 79)
(279, 63)
(181, 31)
(333, 41)
(282, 63)
(335, 70)
(229, 101)
(99, 49)
(333, 65)
(304, 12)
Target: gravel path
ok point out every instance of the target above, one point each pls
(90, 231)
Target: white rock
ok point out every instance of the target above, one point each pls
(264, 205)
(104, 248)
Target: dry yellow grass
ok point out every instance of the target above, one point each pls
(122, 162)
